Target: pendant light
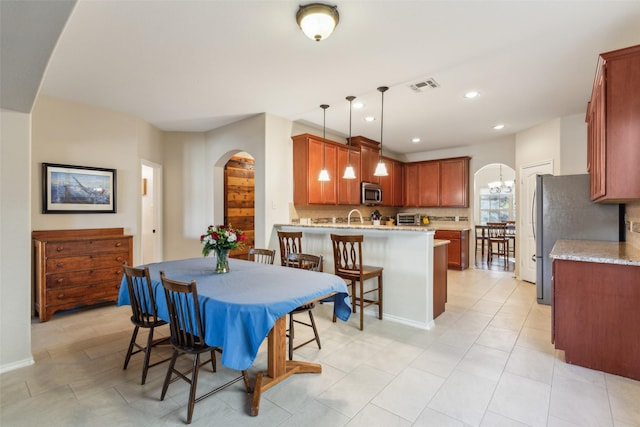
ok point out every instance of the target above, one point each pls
(381, 169)
(324, 174)
(349, 173)
(500, 186)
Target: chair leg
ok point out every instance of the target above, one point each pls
(194, 385)
(380, 297)
(167, 379)
(361, 298)
(315, 330)
(134, 335)
(291, 334)
(353, 296)
(213, 360)
(147, 356)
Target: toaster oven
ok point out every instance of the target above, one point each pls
(408, 219)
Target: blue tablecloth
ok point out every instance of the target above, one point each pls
(240, 307)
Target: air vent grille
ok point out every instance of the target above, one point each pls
(424, 85)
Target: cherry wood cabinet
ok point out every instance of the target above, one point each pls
(392, 184)
(595, 316)
(369, 157)
(440, 262)
(309, 153)
(348, 189)
(458, 249)
(613, 120)
(437, 183)
(73, 268)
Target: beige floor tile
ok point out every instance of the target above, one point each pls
(373, 415)
(431, 418)
(532, 364)
(579, 402)
(521, 399)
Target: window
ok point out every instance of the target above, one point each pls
(496, 207)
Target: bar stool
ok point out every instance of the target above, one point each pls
(498, 242)
(348, 264)
(290, 242)
(481, 237)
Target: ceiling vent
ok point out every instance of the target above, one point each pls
(424, 85)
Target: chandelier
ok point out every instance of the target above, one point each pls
(500, 186)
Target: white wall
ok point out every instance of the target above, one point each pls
(15, 241)
(77, 134)
(573, 145)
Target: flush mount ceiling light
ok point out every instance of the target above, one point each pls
(472, 94)
(381, 169)
(317, 20)
(498, 126)
(349, 173)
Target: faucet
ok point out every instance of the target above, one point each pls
(349, 216)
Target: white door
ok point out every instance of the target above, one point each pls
(151, 213)
(527, 227)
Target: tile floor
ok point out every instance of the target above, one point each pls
(487, 362)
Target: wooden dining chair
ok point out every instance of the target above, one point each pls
(144, 314)
(510, 233)
(498, 242)
(312, 263)
(187, 337)
(262, 256)
(290, 242)
(349, 264)
(481, 237)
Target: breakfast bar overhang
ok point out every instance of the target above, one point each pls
(405, 253)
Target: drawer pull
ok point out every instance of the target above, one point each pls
(119, 259)
(60, 280)
(60, 296)
(59, 248)
(59, 265)
(118, 244)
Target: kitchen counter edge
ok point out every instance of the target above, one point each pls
(596, 251)
(373, 227)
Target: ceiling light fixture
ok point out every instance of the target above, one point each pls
(349, 173)
(358, 105)
(369, 119)
(317, 20)
(471, 94)
(381, 169)
(415, 140)
(324, 173)
(500, 186)
(498, 126)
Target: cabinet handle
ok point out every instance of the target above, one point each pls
(119, 259)
(60, 280)
(59, 249)
(60, 296)
(59, 265)
(118, 244)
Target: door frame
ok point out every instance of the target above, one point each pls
(156, 195)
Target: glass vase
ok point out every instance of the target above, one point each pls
(222, 261)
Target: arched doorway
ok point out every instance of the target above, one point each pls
(495, 201)
(239, 199)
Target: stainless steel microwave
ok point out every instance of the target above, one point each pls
(371, 193)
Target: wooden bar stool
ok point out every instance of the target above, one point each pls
(290, 242)
(498, 242)
(349, 264)
(481, 237)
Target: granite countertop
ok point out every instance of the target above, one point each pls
(596, 251)
(382, 227)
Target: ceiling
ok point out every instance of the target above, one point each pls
(198, 65)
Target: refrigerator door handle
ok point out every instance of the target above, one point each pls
(533, 210)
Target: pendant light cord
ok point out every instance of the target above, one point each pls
(382, 90)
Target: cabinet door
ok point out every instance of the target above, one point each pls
(368, 161)
(398, 184)
(411, 185)
(596, 144)
(330, 188)
(387, 183)
(454, 183)
(322, 192)
(348, 189)
(429, 184)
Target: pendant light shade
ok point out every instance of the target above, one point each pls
(500, 186)
(317, 20)
(324, 173)
(349, 173)
(381, 169)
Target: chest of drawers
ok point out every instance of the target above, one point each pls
(73, 268)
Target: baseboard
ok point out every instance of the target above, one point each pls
(16, 365)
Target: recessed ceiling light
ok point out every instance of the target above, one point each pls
(472, 94)
(358, 105)
(415, 140)
(369, 118)
(498, 126)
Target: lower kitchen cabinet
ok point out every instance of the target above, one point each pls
(595, 315)
(440, 263)
(458, 248)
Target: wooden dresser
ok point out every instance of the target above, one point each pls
(73, 268)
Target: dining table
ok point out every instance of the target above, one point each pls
(246, 305)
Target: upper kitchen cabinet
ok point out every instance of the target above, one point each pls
(437, 183)
(348, 189)
(392, 184)
(309, 153)
(369, 157)
(613, 120)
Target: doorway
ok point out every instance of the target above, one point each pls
(527, 224)
(151, 212)
(239, 199)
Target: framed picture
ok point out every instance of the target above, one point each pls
(78, 189)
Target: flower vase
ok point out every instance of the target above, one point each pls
(222, 262)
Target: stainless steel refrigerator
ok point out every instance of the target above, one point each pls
(565, 211)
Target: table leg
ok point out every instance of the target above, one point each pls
(278, 367)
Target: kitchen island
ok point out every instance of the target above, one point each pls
(595, 300)
(405, 252)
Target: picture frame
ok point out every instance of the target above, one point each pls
(78, 189)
